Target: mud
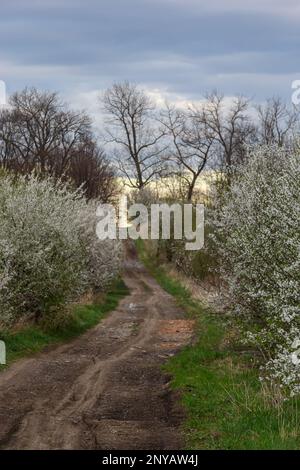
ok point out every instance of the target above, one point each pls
(106, 389)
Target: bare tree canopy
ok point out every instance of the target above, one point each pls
(134, 131)
(38, 132)
(191, 146)
(229, 125)
(276, 122)
(90, 169)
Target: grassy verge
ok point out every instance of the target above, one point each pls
(227, 407)
(33, 339)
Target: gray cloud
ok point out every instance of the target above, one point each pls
(180, 46)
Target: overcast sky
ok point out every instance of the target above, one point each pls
(177, 49)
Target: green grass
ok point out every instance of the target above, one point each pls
(226, 405)
(33, 339)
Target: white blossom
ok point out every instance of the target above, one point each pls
(49, 252)
(257, 236)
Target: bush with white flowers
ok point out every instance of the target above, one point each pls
(103, 258)
(258, 240)
(49, 252)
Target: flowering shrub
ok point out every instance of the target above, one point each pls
(49, 253)
(103, 258)
(258, 240)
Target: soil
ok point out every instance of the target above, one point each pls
(106, 389)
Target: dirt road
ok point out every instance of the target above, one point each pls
(104, 390)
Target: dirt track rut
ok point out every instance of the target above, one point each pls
(106, 389)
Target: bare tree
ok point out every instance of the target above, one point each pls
(230, 126)
(39, 132)
(134, 132)
(90, 169)
(191, 146)
(277, 122)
